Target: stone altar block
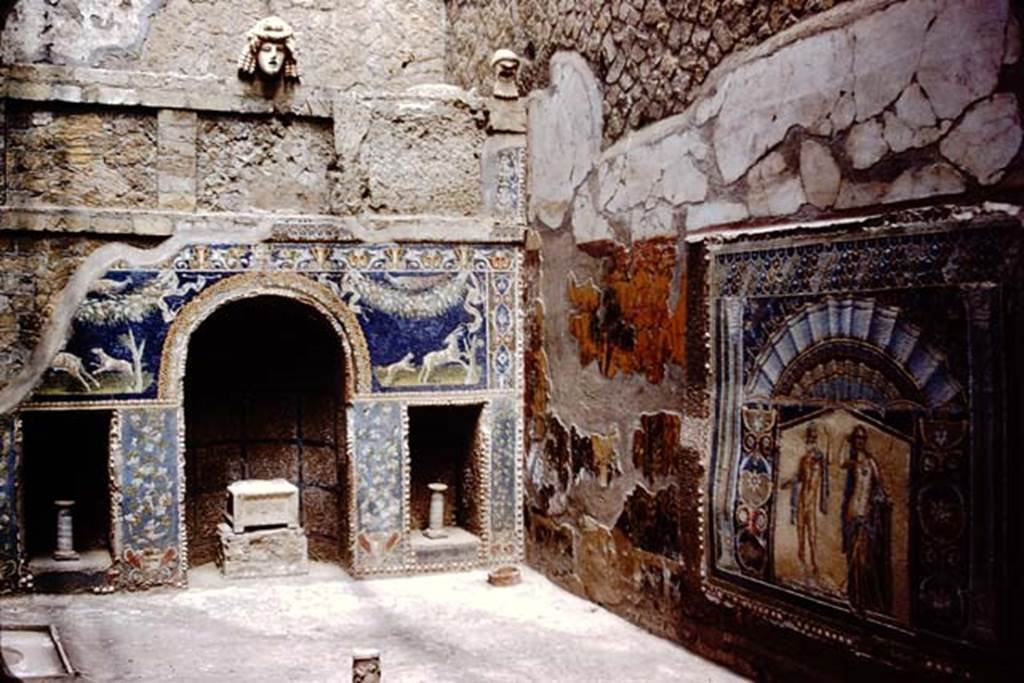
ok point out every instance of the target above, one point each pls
(262, 503)
(264, 552)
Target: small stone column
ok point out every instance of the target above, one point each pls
(65, 531)
(436, 528)
(366, 666)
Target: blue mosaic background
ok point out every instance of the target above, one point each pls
(376, 434)
(453, 305)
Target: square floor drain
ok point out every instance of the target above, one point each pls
(32, 652)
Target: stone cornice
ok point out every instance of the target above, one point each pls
(367, 228)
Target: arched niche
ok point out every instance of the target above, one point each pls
(174, 357)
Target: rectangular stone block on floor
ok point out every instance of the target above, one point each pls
(459, 546)
(268, 552)
(262, 503)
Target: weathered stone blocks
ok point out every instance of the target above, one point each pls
(91, 157)
(422, 155)
(176, 159)
(268, 552)
(262, 164)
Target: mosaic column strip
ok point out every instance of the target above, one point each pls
(982, 304)
(149, 475)
(504, 352)
(505, 513)
(10, 556)
(377, 444)
(729, 372)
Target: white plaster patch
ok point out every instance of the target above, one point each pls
(656, 222)
(866, 144)
(801, 84)
(852, 194)
(914, 109)
(901, 136)
(928, 181)
(859, 194)
(962, 54)
(819, 173)
(587, 224)
(564, 137)
(709, 107)
(843, 113)
(887, 50)
(773, 188)
(986, 139)
(715, 213)
(660, 171)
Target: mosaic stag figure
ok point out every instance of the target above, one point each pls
(450, 353)
(72, 365)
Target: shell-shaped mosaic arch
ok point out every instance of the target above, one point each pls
(174, 356)
(860, 320)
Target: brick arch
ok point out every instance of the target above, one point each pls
(174, 355)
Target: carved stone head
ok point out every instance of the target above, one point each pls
(269, 52)
(505, 65)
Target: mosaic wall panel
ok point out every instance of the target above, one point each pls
(434, 318)
(10, 565)
(147, 474)
(847, 384)
(510, 188)
(377, 449)
(506, 517)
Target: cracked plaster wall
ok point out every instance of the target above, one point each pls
(203, 38)
(893, 105)
(872, 107)
(649, 55)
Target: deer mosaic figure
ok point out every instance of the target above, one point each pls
(386, 375)
(72, 365)
(450, 353)
(107, 364)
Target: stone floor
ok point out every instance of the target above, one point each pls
(451, 627)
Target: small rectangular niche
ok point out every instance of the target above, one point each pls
(445, 447)
(65, 457)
